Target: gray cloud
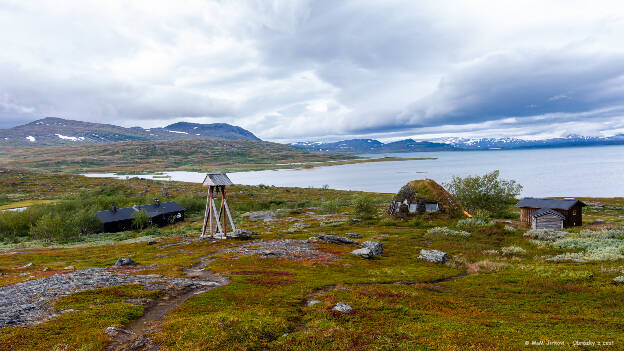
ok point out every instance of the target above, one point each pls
(318, 69)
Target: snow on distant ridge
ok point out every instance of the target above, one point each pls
(69, 138)
(31, 138)
(175, 131)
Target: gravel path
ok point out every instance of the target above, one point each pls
(30, 301)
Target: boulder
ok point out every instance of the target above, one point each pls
(114, 332)
(260, 216)
(434, 256)
(363, 252)
(124, 261)
(374, 246)
(332, 239)
(312, 302)
(354, 235)
(71, 268)
(240, 234)
(342, 308)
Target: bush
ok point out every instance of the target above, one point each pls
(474, 222)
(512, 251)
(447, 232)
(546, 234)
(363, 206)
(192, 204)
(485, 193)
(141, 219)
(331, 206)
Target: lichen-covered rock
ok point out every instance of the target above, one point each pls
(297, 227)
(354, 235)
(342, 308)
(114, 331)
(363, 252)
(332, 239)
(124, 261)
(374, 246)
(240, 234)
(434, 256)
(260, 215)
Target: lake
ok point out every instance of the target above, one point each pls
(580, 171)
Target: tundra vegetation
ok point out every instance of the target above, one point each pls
(499, 289)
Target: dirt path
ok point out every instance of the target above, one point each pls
(134, 336)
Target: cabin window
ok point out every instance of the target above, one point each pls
(574, 212)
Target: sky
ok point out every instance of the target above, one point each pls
(319, 70)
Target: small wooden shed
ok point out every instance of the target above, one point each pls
(571, 209)
(546, 218)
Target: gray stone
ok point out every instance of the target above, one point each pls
(260, 216)
(354, 235)
(342, 308)
(152, 242)
(312, 302)
(374, 246)
(597, 222)
(124, 261)
(114, 331)
(71, 268)
(45, 269)
(26, 265)
(332, 239)
(240, 234)
(363, 252)
(434, 256)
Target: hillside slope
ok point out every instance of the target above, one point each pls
(52, 131)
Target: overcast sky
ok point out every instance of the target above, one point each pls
(319, 70)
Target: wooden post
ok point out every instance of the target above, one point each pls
(224, 226)
(207, 213)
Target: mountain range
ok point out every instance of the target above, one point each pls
(52, 131)
(364, 146)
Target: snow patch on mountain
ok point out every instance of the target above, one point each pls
(64, 137)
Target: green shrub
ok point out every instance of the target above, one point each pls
(546, 234)
(512, 251)
(363, 206)
(192, 204)
(141, 219)
(330, 206)
(474, 222)
(447, 232)
(485, 193)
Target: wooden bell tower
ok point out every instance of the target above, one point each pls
(217, 183)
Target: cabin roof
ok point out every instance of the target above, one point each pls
(546, 211)
(217, 179)
(125, 213)
(562, 204)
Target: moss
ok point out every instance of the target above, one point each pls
(430, 191)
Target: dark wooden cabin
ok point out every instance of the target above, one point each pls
(120, 219)
(570, 209)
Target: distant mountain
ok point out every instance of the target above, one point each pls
(213, 131)
(516, 143)
(363, 146)
(59, 131)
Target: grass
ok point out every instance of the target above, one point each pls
(203, 155)
(506, 292)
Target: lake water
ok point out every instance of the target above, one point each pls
(568, 172)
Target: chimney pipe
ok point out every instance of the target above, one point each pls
(157, 202)
(113, 208)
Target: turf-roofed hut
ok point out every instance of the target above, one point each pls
(120, 219)
(543, 213)
(419, 197)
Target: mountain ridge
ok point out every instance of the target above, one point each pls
(55, 131)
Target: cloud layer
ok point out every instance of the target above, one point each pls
(319, 69)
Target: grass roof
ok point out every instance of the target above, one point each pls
(430, 191)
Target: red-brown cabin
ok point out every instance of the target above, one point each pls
(532, 208)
